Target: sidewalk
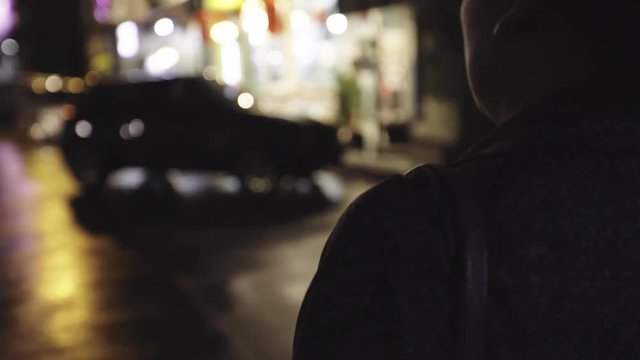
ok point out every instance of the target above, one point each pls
(394, 160)
(68, 294)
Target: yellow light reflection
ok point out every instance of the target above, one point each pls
(62, 295)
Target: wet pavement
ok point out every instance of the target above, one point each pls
(67, 294)
(153, 287)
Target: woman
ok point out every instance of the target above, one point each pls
(557, 184)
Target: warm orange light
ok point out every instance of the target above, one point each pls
(75, 85)
(68, 112)
(92, 78)
(38, 85)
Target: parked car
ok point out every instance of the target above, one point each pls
(188, 124)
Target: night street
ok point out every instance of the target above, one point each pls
(156, 290)
(170, 170)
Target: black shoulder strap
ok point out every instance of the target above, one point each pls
(470, 259)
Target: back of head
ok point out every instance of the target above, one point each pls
(521, 51)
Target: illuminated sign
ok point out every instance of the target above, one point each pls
(222, 5)
(6, 17)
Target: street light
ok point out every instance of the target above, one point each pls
(164, 27)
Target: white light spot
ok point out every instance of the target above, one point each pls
(254, 17)
(164, 27)
(337, 24)
(187, 183)
(84, 129)
(300, 20)
(275, 58)
(136, 128)
(231, 63)
(209, 73)
(258, 38)
(127, 35)
(246, 101)
(124, 132)
(224, 32)
(228, 184)
(331, 186)
(127, 178)
(53, 83)
(162, 61)
(10, 47)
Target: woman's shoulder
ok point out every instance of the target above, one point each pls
(404, 211)
(414, 190)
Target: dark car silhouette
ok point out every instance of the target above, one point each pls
(187, 124)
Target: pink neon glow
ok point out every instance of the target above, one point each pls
(7, 17)
(102, 10)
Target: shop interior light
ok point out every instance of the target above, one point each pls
(246, 101)
(102, 10)
(53, 84)
(75, 85)
(38, 85)
(209, 73)
(337, 24)
(275, 58)
(162, 60)
(300, 20)
(6, 17)
(231, 63)
(224, 32)
(164, 27)
(258, 38)
(10, 47)
(127, 35)
(92, 78)
(254, 18)
(84, 129)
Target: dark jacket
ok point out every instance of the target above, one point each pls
(560, 189)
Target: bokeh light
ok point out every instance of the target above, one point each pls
(54, 83)
(337, 24)
(10, 47)
(246, 101)
(127, 34)
(164, 27)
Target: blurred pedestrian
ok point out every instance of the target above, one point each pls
(555, 188)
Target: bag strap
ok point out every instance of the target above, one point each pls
(470, 260)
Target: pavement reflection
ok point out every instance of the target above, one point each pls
(66, 294)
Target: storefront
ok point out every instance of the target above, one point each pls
(306, 59)
(296, 59)
(281, 52)
(139, 39)
(377, 72)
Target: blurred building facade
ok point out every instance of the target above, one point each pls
(367, 66)
(295, 57)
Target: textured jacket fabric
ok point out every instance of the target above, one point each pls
(560, 189)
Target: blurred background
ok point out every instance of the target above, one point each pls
(171, 169)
